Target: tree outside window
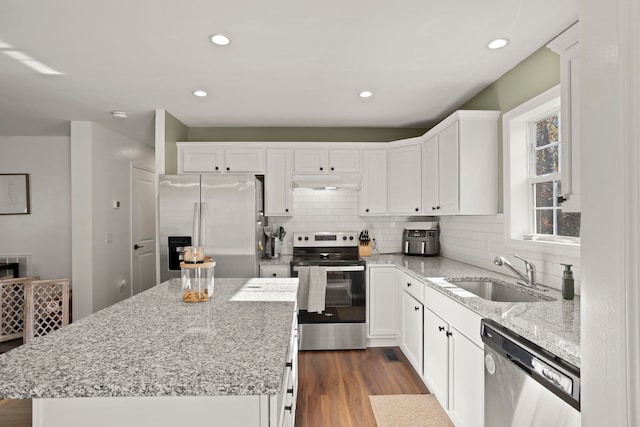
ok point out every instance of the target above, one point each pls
(545, 180)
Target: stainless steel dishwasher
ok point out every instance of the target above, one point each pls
(525, 385)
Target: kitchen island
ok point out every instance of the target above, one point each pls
(156, 360)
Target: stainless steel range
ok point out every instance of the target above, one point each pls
(342, 325)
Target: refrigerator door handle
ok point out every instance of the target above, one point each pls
(195, 235)
(203, 225)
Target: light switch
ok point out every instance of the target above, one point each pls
(108, 238)
(116, 204)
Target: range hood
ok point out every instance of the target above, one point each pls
(327, 182)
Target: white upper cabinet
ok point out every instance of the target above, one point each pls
(318, 160)
(277, 186)
(405, 179)
(373, 195)
(244, 160)
(196, 159)
(204, 157)
(460, 164)
(567, 45)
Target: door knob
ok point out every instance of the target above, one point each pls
(137, 246)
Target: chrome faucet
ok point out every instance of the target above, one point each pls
(529, 279)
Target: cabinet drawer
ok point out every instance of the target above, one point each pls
(460, 317)
(413, 286)
(274, 271)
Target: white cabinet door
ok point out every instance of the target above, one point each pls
(344, 161)
(373, 195)
(200, 160)
(277, 186)
(244, 160)
(411, 343)
(310, 160)
(382, 302)
(466, 391)
(405, 179)
(430, 197)
(448, 169)
(436, 356)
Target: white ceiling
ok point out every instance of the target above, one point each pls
(291, 62)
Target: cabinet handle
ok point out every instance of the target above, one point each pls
(417, 209)
(416, 308)
(289, 365)
(561, 199)
(438, 207)
(441, 328)
(366, 210)
(332, 168)
(228, 168)
(290, 390)
(321, 168)
(288, 408)
(449, 333)
(216, 168)
(286, 210)
(433, 208)
(409, 284)
(274, 274)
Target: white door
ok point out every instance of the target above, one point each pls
(143, 230)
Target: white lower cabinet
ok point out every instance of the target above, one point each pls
(382, 303)
(411, 343)
(454, 358)
(466, 380)
(436, 356)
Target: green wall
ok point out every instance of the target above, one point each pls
(174, 131)
(536, 74)
(325, 134)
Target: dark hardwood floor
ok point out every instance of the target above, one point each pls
(334, 386)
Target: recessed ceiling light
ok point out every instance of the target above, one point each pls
(498, 43)
(117, 114)
(366, 94)
(220, 39)
(199, 93)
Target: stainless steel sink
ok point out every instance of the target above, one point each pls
(494, 291)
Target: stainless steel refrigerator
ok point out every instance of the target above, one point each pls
(222, 213)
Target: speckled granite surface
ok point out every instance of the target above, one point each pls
(281, 260)
(553, 325)
(153, 344)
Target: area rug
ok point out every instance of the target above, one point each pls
(409, 410)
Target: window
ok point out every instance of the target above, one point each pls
(545, 180)
(532, 144)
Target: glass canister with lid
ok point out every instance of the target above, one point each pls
(197, 280)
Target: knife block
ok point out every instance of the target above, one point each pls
(364, 250)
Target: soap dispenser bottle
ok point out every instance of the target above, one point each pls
(568, 290)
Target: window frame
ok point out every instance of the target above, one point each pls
(517, 161)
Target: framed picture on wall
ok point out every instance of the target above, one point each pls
(14, 194)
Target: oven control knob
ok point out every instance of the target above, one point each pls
(344, 237)
(306, 238)
(299, 238)
(350, 237)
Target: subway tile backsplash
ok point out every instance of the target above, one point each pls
(476, 240)
(337, 210)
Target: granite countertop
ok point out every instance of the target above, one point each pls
(553, 325)
(154, 344)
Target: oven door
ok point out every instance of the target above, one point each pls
(344, 299)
